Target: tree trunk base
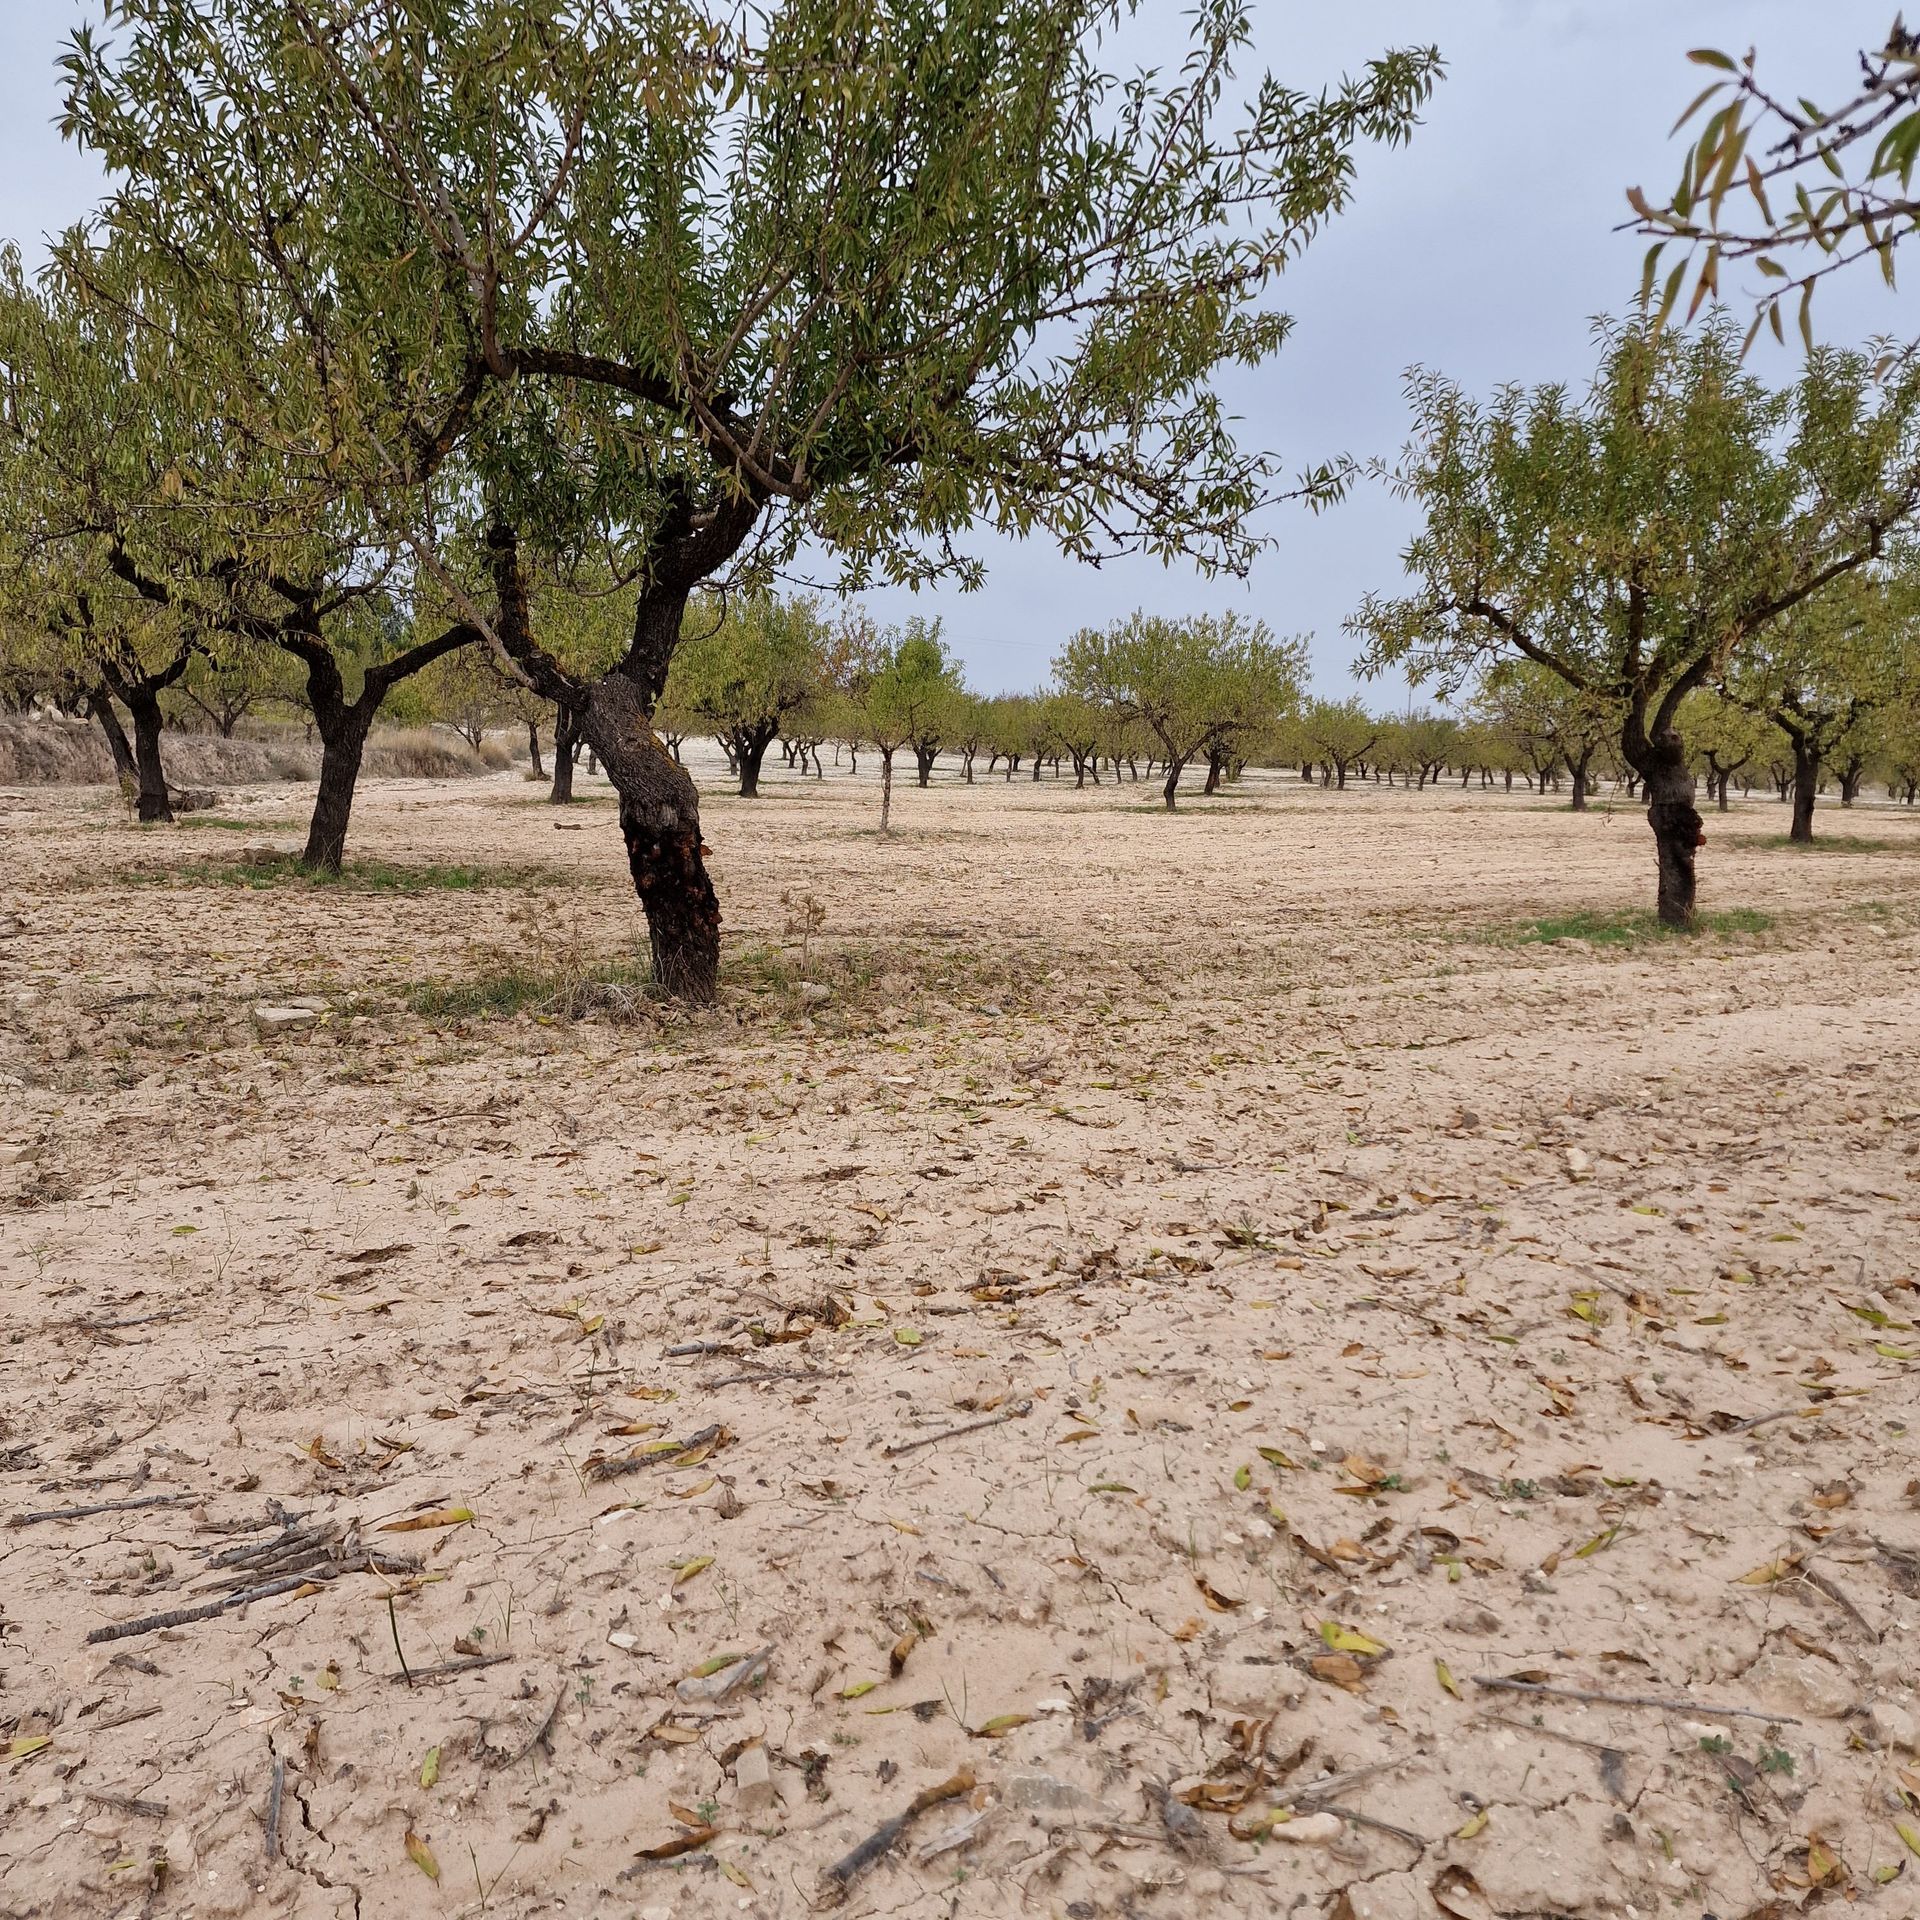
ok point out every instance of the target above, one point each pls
(1678, 831)
(660, 822)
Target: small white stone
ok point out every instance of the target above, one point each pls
(284, 1019)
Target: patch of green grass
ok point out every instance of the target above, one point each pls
(617, 985)
(223, 825)
(1834, 843)
(357, 876)
(1624, 929)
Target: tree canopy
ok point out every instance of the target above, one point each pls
(1633, 538)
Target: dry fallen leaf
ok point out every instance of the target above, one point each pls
(1340, 1670)
(419, 1522)
(422, 1855)
(681, 1843)
(1773, 1571)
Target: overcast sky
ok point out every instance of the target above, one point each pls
(1484, 249)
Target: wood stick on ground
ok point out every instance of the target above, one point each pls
(1815, 1578)
(451, 1669)
(535, 1739)
(128, 1718)
(1019, 1410)
(879, 1843)
(186, 1616)
(273, 1808)
(103, 1506)
(125, 1803)
(1539, 1690)
(1379, 1826)
(1767, 1419)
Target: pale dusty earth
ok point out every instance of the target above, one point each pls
(1125, 1325)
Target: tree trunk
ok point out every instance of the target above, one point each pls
(660, 823)
(1850, 776)
(886, 790)
(1579, 771)
(749, 751)
(924, 758)
(1215, 760)
(100, 704)
(1677, 834)
(566, 743)
(1806, 784)
(533, 748)
(343, 740)
(153, 803)
(1174, 770)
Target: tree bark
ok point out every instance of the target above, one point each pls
(1806, 784)
(100, 704)
(1677, 835)
(1175, 768)
(749, 750)
(924, 757)
(533, 748)
(886, 789)
(154, 802)
(566, 743)
(1579, 770)
(660, 823)
(343, 742)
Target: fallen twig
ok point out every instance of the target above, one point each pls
(1767, 1419)
(1379, 1826)
(687, 1349)
(1540, 1689)
(132, 1713)
(879, 1843)
(103, 1506)
(132, 1320)
(495, 1758)
(1815, 1578)
(273, 1808)
(770, 1374)
(1018, 1410)
(125, 1803)
(450, 1669)
(186, 1616)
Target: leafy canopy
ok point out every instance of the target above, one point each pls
(668, 273)
(1632, 538)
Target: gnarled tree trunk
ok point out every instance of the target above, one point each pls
(1806, 786)
(343, 743)
(1678, 831)
(99, 703)
(533, 749)
(566, 744)
(660, 822)
(154, 802)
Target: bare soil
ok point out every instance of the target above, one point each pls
(1133, 1321)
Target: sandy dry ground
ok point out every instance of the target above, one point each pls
(1183, 1307)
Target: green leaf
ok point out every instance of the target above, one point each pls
(1707, 57)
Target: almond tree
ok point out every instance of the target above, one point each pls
(1823, 670)
(751, 663)
(698, 285)
(1634, 539)
(1196, 685)
(1337, 735)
